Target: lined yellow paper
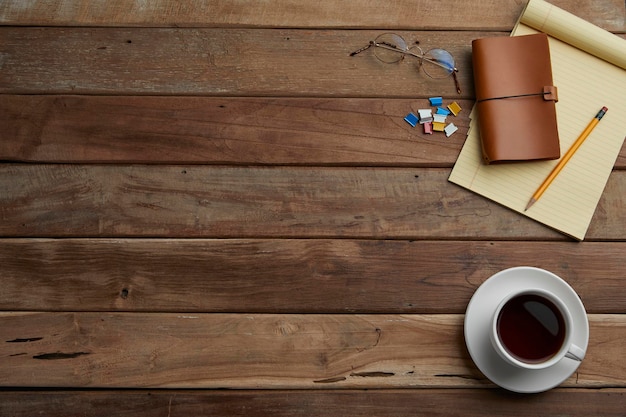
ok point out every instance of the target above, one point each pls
(589, 75)
(557, 23)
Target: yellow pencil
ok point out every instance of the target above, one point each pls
(555, 171)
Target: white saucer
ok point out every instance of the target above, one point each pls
(478, 319)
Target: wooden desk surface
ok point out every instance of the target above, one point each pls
(214, 195)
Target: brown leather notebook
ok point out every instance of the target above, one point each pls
(515, 98)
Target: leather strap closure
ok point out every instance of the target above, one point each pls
(549, 93)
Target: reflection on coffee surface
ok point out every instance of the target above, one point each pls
(531, 328)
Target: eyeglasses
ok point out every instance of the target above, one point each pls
(390, 48)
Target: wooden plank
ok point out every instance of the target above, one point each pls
(264, 351)
(225, 130)
(233, 62)
(224, 202)
(288, 276)
(444, 14)
(219, 62)
(314, 403)
(239, 131)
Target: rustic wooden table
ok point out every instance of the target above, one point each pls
(199, 196)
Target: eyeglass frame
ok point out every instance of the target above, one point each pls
(408, 51)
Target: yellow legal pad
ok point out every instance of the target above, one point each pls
(588, 65)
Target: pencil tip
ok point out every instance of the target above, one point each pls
(530, 203)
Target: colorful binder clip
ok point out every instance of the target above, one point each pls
(439, 118)
(454, 108)
(426, 115)
(411, 119)
(450, 129)
(438, 126)
(436, 101)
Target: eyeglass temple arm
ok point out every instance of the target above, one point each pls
(366, 47)
(456, 81)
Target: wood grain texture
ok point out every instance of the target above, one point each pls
(233, 62)
(466, 402)
(215, 195)
(287, 275)
(218, 62)
(209, 130)
(445, 14)
(204, 201)
(270, 351)
(225, 130)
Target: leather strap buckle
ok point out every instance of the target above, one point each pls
(550, 93)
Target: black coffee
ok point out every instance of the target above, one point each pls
(531, 328)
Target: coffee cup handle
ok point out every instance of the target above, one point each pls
(575, 353)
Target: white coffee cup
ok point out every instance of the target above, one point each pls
(533, 329)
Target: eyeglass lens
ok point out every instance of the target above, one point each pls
(442, 57)
(438, 63)
(391, 49)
